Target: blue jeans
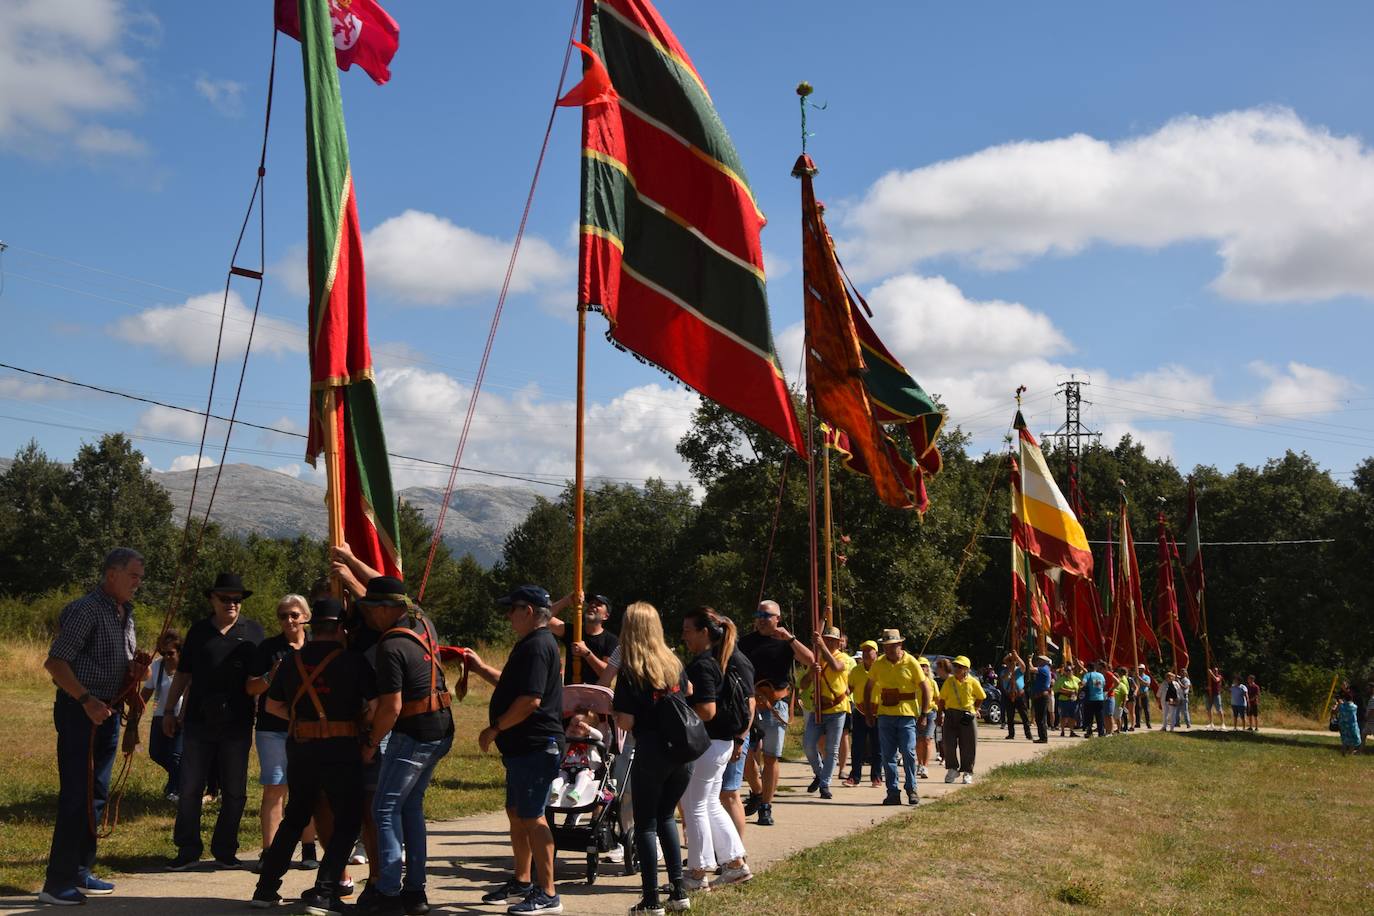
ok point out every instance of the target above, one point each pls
(831, 724)
(73, 848)
(772, 721)
(399, 809)
(898, 733)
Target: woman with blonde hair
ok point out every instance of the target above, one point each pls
(293, 613)
(648, 670)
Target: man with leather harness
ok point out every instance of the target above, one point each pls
(413, 704)
(772, 651)
(323, 690)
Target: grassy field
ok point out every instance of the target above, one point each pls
(1201, 822)
(466, 781)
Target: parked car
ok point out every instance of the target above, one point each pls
(991, 710)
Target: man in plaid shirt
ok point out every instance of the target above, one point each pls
(88, 661)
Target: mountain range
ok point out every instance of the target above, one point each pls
(256, 500)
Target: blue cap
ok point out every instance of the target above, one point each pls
(599, 599)
(526, 594)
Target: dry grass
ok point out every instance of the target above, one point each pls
(1193, 823)
(465, 782)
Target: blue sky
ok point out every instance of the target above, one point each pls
(1173, 201)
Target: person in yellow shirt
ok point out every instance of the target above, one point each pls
(959, 699)
(825, 696)
(925, 723)
(901, 690)
(865, 743)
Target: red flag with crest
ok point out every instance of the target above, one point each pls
(364, 34)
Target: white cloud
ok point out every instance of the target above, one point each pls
(22, 389)
(1288, 204)
(974, 354)
(427, 259)
(290, 470)
(180, 425)
(424, 259)
(187, 332)
(225, 96)
(632, 436)
(63, 64)
(188, 463)
(1297, 389)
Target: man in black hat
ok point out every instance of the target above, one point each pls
(527, 728)
(216, 661)
(597, 642)
(322, 690)
(413, 705)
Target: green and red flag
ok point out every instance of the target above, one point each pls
(1129, 598)
(345, 419)
(1194, 582)
(855, 383)
(670, 250)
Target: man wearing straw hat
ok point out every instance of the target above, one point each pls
(902, 689)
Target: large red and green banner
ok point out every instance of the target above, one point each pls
(1194, 582)
(345, 418)
(670, 250)
(1166, 597)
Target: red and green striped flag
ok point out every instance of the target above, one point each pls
(345, 420)
(670, 249)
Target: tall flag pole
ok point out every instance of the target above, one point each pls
(345, 418)
(1166, 599)
(1194, 582)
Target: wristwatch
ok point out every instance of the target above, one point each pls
(81, 700)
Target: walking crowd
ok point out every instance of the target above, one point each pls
(604, 739)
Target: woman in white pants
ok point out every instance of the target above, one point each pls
(711, 835)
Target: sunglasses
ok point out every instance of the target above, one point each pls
(764, 615)
(230, 599)
(290, 615)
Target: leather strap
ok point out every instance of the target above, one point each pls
(436, 699)
(307, 688)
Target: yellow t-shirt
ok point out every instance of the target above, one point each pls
(858, 677)
(834, 685)
(905, 676)
(962, 695)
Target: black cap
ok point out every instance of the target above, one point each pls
(228, 582)
(526, 594)
(599, 599)
(385, 590)
(326, 609)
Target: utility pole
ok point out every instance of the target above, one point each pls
(1072, 435)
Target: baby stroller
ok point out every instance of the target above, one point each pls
(592, 822)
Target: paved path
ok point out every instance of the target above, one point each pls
(469, 855)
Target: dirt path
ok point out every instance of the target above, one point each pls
(469, 855)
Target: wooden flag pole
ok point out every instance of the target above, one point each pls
(829, 541)
(579, 490)
(333, 478)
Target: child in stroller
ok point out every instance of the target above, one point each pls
(576, 783)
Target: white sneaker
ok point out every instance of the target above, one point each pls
(696, 885)
(739, 875)
(616, 855)
(921, 773)
(967, 779)
(951, 775)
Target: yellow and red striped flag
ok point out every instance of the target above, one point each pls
(1042, 521)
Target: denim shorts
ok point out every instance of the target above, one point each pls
(1214, 702)
(528, 778)
(1068, 708)
(1110, 708)
(925, 725)
(733, 777)
(773, 721)
(271, 758)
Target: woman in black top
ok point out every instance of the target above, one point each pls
(648, 669)
(711, 836)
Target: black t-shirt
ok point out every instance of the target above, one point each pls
(601, 645)
(403, 666)
(772, 658)
(530, 671)
(639, 700)
(708, 686)
(344, 689)
(269, 651)
(219, 665)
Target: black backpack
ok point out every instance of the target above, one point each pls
(732, 707)
(680, 730)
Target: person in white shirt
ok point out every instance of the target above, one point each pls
(164, 751)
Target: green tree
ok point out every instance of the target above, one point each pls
(36, 530)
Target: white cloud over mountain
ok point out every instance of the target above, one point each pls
(1289, 205)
